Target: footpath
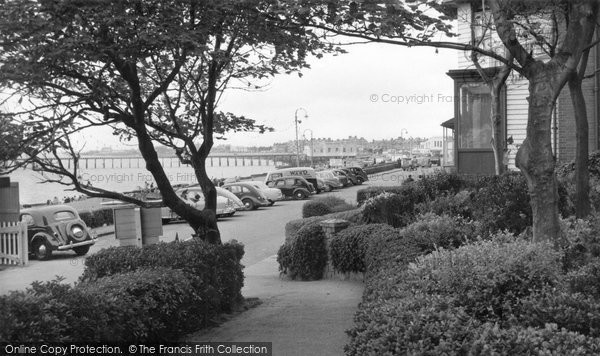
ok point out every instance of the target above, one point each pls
(298, 317)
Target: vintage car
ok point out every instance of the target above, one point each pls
(252, 197)
(193, 196)
(330, 180)
(273, 194)
(56, 228)
(360, 174)
(293, 187)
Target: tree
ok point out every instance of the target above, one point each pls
(10, 143)
(405, 24)
(151, 70)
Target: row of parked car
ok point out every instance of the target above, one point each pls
(290, 183)
(59, 227)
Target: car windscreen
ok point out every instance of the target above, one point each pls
(64, 215)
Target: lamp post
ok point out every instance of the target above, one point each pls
(311, 145)
(296, 121)
(405, 131)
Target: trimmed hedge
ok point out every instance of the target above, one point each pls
(306, 256)
(97, 218)
(217, 266)
(348, 247)
(325, 205)
(396, 209)
(354, 216)
(141, 306)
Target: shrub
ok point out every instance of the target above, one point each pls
(217, 266)
(586, 280)
(396, 209)
(582, 241)
(566, 176)
(97, 218)
(354, 216)
(388, 249)
(430, 231)
(502, 203)
(364, 194)
(306, 256)
(448, 204)
(487, 278)
(145, 305)
(441, 183)
(315, 208)
(348, 247)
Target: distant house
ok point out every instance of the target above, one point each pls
(472, 125)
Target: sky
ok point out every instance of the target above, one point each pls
(375, 91)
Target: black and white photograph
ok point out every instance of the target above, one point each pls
(299, 177)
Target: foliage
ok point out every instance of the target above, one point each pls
(11, 136)
(362, 195)
(348, 247)
(565, 174)
(97, 218)
(430, 231)
(325, 205)
(396, 209)
(582, 241)
(458, 204)
(144, 305)
(217, 266)
(502, 203)
(354, 216)
(306, 256)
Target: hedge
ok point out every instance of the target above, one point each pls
(348, 247)
(144, 305)
(217, 266)
(305, 257)
(354, 216)
(325, 205)
(97, 218)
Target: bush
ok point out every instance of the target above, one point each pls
(325, 205)
(364, 194)
(430, 231)
(566, 176)
(396, 209)
(348, 247)
(97, 218)
(145, 305)
(487, 278)
(502, 203)
(354, 216)
(217, 266)
(448, 204)
(306, 256)
(583, 241)
(441, 183)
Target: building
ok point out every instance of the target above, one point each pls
(472, 125)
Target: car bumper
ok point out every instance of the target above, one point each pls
(71, 245)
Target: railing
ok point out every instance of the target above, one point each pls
(13, 244)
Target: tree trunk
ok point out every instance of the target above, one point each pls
(498, 142)
(535, 158)
(582, 177)
(210, 230)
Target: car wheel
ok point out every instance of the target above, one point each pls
(299, 195)
(328, 188)
(81, 250)
(271, 203)
(41, 249)
(359, 181)
(166, 221)
(249, 204)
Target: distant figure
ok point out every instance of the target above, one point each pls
(48, 202)
(55, 201)
(409, 179)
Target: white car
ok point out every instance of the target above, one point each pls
(194, 197)
(239, 205)
(272, 194)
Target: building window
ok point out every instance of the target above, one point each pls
(474, 116)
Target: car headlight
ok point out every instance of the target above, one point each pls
(77, 231)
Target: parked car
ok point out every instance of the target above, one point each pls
(293, 187)
(307, 173)
(360, 174)
(238, 204)
(194, 197)
(330, 180)
(56, 228)
(343, 177)
(251, 196)
(352, 177)
(273, 194)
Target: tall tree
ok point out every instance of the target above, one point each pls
(151, 70)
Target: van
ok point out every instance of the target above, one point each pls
(307, 173)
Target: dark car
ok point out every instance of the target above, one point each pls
(56, 228)
(293, 187)
(252, 197)
(360, 174)
(349, 180)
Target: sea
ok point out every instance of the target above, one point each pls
(129, 174)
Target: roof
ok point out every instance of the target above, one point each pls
(449, 124)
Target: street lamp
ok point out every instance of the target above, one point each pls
(405, 131)
(311, 145)
(296, 121)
